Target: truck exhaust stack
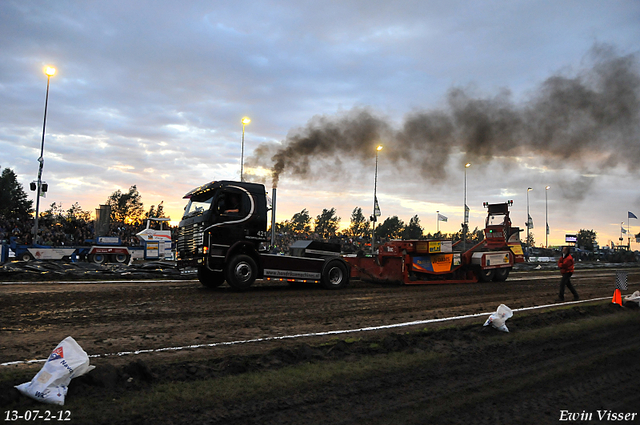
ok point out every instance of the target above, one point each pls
(273, 217)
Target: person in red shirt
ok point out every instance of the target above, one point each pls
(565, 263)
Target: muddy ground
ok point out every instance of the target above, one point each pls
(580, 371)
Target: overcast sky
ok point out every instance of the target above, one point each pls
(152, 93)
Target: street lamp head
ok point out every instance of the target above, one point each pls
(246, 120)
(467, 165)
(548, 187)
(49, 71)
(379, 148)
(529, 189)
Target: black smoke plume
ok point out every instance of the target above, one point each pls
(590, 121)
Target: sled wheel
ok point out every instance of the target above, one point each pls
(486, 275)
(97, 258)
(334, 275)
(120, 258)
(241, 272)
(210, 279)
(501, 274)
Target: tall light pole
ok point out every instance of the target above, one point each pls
(529, 189)
(546, 216)
(49, 72)
(466, 209)
(245, 121)
(376, 207)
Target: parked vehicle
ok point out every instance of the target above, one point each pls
(156, 245)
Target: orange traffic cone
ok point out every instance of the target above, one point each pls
(617, 297)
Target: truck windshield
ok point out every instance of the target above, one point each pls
(197, 206)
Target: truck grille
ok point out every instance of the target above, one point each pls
(189, 239)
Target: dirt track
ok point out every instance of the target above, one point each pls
(115, 317)
(107, 318)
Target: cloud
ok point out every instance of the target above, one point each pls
(588, 121)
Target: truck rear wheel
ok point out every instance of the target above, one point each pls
(501, 274)
(26, 257)
(241, 272)
(334, 275)
(210, 279)
(97, 258)
(486, 275)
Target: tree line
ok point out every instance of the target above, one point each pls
(60, 226)
(127, 210)
(326, 227)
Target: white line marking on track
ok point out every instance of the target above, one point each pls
(305, 335)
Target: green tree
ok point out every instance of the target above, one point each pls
(301, 222)
(326, 223)
(126, 207)
(531, 240)
(13, 199)
(587, 239)
(76, 213)
(391, 228)
(55, 213)
(413, 230)
(477, 235)
(360, 226)
(69, 220)
(155, 212)
(75, 217)
(459, 235)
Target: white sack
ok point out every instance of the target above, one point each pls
(498, 318)
(67, 361)
(635, 297)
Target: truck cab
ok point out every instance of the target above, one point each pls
(156, 239)
(223, 237)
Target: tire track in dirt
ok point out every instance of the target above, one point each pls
(127, 316)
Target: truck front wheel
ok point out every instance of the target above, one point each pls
(210, 279)
(241, 272)
(334, 275)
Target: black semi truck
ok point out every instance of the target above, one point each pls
(223, 237)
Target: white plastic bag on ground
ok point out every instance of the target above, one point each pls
(67, 361)
(498, 318)
(635, 297)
